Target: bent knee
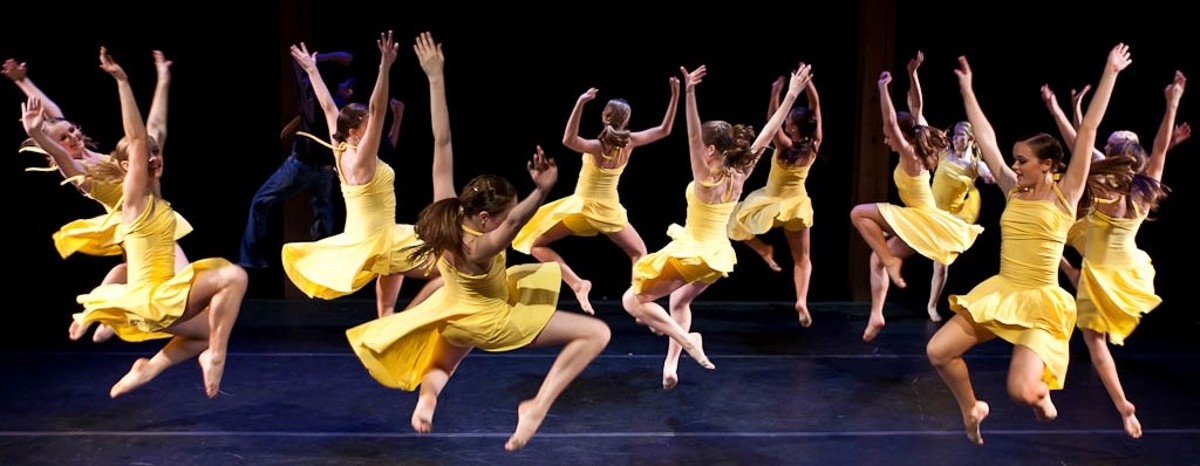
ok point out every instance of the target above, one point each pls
(937, 355)
(234, 275)
(862, 211)
(1025, 394)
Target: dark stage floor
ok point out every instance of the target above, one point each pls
(293, 393)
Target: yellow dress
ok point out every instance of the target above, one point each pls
(1116, 280)
(1077, 235)
(501, 310)
(700, 250)
(594, 208)
(372, 244)
(928, 230)
(101, 235)
(154, 296)
(954, 189)
(782, 202)
(1024, 304)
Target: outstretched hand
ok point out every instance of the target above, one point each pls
(799, 79)
(588, 95)
(429, 54)
(1174, 91)
(110, 66)
(15, 71)
(162, 64)
(673, 82)
(964, 73)
(885, 78)
(543, 170)
(1119, 58)
(694, 77)
(388, 48)
(306, 60)
(1182, 133)
(31, 115)
(915, 62)
(1048, 97)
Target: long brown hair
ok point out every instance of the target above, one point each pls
(804, 141)
(1047, 147)
(439, 225)
(1123, 172)
(616, 119)
(732, 141)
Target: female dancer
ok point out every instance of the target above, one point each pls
(784, 201)
(197, 305)
(1023, 304)
(920, 226)
(954, 191)
(372, 243)
(595, 207)
(482, 304)
(722, 157)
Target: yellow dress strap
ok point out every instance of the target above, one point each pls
(725, 178)
(471, 231)
(337, 150)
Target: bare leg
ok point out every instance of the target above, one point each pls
(945, 352)
(643, 308)
(879, 287)
(936, 285)
(582, 339)
(103, 332)
(765, 251)
(387, 290)
(681, 311)
(1025, 385)
(543, 253)
(444, 364)
(798, 242)
(1107, 369)
(872, 226)
(191, 339)
(220, 292)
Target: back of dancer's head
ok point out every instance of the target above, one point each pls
(439, 225)
(928, 143)
(350, 117)
(731, 142)
(1122, 172)
(616, 120)
(110, 170)
(801, 127)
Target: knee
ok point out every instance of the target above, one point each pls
(630, 302)
(859, 211)
(601, 335)
(235, 276)
(1025, 394)
(938, 356)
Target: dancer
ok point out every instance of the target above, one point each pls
(372, 244)
(958, 167)
(595, 207)
(1023, 304)
(784, 202)
(483, 304)
(93, 174)
(197, 305)
(722, 157)
(920, 226)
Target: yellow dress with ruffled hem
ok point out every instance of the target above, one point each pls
(782, 202)
(372, 243)
(928, 230)
(1116, 280)
(1024, 304)
(954, 189)
(154, 295)
(101, 235)
(700, 250)
(501, 310)
(594, 208)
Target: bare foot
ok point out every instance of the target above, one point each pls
(933, 314)
(670, 375)
(103, 333)
(529, 418)
(422, 417)
(213, 367)
(1132, 426)
(697, 351)
(805, 317)
(581, 294)
(767, 253)
(76, 330)
(1045, 411)
(973, 420)
(893, 270)
(873, 327)
(137, 376)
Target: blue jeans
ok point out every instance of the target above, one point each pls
(291, 178)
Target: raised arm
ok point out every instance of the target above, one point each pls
(156, 121)
(360, 166)
(782, 141)
(18, 73)
(814, 104)
(571, 137)
(696, 148)
(641, 138)
(397, 107)
(916, 100)
(1065, 129)
(137, 175)
(432, 60)
(308, 62)
(1072, 183)
(1077, 109)
(33, 119)
(544, 173)
(985, 135)
(891, 124)
(799, 80)
(1162, 141)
